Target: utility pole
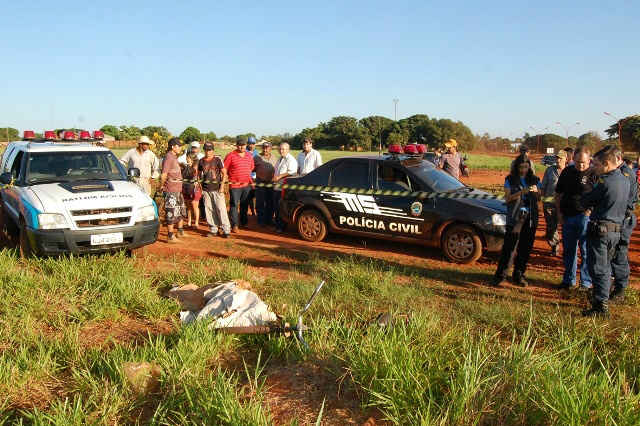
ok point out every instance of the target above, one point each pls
(395, 101)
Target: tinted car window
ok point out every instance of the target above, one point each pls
(350, 175)
(70, 166)
(392, 178)
(437, 179)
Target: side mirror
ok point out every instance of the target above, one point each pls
(134, 172)
(6, 178)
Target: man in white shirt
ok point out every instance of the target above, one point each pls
(142, 158)
(285, 167)
(309, 158)
(194, 147)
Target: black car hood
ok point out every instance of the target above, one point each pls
(498, 206)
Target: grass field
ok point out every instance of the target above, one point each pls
(459, 357)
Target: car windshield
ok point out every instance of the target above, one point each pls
(47, 167)
(437, 179)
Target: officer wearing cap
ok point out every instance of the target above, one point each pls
(620, 262)
(608, 200)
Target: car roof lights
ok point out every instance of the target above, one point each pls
(28, 135)
(411, 149)
(422, 148)
(98, 134)
(68, 135)
(395, 149)
(49, 135)
(84, 135)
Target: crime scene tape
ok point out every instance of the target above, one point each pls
(316, 188)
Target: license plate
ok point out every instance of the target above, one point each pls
(100, 239)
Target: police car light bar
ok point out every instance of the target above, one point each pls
(28, 135)
(422, 148)
(395, 149)
(68, 135)
(84, 135)
(98, 134)
(49, 135)
(411, 149)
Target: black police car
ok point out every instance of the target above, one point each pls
(395, 197)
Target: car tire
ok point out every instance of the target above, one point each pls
(461, 244)
(140, 252)
(23, 243)
(311, 226)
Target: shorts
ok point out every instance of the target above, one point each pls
(174, 208)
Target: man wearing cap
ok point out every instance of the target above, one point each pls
(265, 168)
(171, 184)
(142, 158)
(285, 167)
(309, 158)
(451, 161)
(239, 164)
(213, 175)
(193, 147)
(548, 191)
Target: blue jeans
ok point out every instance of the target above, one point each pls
(600, 254)
(574, 235)
(264, 204)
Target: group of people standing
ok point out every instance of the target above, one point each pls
(187, 179)
(593, 198)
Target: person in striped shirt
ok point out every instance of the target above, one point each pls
(239, 165)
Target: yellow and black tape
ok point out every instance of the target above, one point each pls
(316, 188)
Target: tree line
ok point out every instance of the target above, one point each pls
(374, 132)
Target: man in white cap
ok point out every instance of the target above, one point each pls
(193, 147)
(451, 161)
(142, 158)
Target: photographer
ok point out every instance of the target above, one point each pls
(522, 193)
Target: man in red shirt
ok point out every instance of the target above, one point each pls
(171, 184)
(239, 165)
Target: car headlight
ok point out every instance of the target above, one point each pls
(146, 213)
(499, 219)
(51, 221)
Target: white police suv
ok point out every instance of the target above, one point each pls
(73, 196)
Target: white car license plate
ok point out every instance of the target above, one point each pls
(100, 239)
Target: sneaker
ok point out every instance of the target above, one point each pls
(496, 281)
(616, 297)
(279, 231)
(598, 309)
(173, 239)
(584, 288)
(564, 286)
(182, 234)
(235, 230)
(211, 234)
(520, 281)
(226, 235)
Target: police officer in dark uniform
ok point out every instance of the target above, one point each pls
(608, 200)
(620, 262)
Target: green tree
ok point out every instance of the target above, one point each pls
(110, 130)
(630, 138)
(591, 140)
(130, 132)
(210, 137)
(9, 134)
(154, 132)
(378, 127)
(190, 134)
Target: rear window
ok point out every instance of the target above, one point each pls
(350, 175)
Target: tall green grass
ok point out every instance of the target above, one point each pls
(453, 357)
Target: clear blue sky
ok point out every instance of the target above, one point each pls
(271, 67)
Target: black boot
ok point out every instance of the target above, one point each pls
(616, 297)
(518, 279)
(598, 309)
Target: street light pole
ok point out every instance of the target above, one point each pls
(620, 124)
(567, 129)
(395, 101)
(538, 148)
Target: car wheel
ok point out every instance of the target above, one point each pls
(461, 244)
(140, 252)
(23, 244)
(311, 226)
